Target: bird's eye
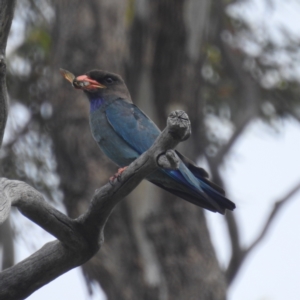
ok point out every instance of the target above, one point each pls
(108, 80)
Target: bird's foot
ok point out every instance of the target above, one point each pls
(117, 175)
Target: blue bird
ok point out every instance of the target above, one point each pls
(124, 132)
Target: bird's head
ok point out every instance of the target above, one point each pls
(99, 84)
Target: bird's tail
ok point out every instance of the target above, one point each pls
(215, 192)
(208, 198)
(192, 184)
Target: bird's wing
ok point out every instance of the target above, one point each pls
(199, 173)
(132, 125)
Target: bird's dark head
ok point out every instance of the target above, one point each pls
(99, 84)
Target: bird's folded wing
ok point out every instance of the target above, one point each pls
(132, 125)
(199, 173)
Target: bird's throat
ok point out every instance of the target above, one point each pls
(96, 103)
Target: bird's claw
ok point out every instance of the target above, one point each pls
(117, 176)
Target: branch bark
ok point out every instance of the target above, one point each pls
(79, 239)
(6, 16)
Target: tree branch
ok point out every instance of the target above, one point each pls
(32, 205)
(7, 244)
(81, 238)
(6, 16)
(237, 260)
(276, 209)
(238, 253)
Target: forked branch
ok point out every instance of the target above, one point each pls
(78, 239)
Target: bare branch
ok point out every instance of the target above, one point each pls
(237, 259)
(237, 252)
(32, 205)
(5, 204)
(6, 16)
(81, 238)
(276, 209)
(6, 238)
(240, 127)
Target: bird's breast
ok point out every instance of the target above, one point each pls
(109, 141)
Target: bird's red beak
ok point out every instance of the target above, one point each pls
(82, 82)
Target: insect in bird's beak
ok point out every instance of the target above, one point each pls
(67, 75)
(82, 82)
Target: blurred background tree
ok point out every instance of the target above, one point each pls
(206, 57)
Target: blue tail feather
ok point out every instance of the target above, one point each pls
(199, 191)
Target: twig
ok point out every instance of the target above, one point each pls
(239, 254)
(276, 209)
